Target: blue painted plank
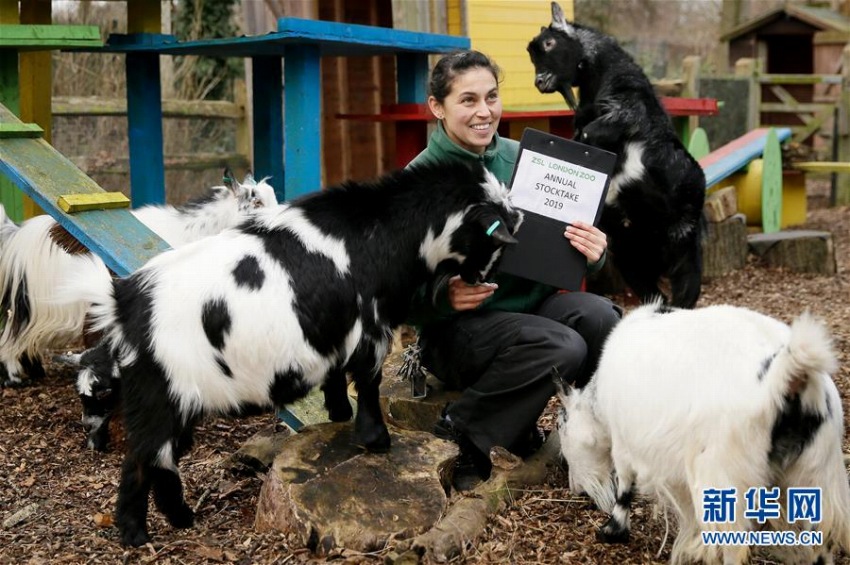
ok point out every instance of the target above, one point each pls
(334, 39)
(734, 160)
(302, 127)
(144, 127)
(267, 86)
(44, 174)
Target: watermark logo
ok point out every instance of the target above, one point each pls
(804, 504)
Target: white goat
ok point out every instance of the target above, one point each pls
(35, 257)
(715, 398)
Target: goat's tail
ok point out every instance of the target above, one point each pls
(808, 399)
(800, 364)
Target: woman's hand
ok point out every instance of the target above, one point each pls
(464, 296)
(589, 240)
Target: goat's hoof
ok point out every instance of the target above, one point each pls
(340, 414)
(182, 517)
(612, 532)
(134, 537)
(378, 444)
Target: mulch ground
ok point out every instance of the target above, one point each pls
(57, 498)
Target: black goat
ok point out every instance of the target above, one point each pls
(654, 208)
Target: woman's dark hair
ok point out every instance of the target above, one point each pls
(453, 64)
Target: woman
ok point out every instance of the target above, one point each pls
(500, 343)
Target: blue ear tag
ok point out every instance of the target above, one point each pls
(493, 227)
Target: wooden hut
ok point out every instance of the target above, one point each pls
(790, 40)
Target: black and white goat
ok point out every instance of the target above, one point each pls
(717, 398)
(653, 212)
(35, 257)
(260, 314)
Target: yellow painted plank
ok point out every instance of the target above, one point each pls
(823, 166)
(71, 203)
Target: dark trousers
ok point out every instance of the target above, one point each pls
(504, 362)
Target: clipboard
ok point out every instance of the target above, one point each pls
(555, 181)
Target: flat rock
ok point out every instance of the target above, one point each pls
(330, 494)
(802, 251)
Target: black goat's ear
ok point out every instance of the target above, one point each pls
(498, 230)
(229, 181)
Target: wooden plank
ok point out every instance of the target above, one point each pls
(733, 156)
(102, 106)
(36, 37)
(122, 241)
(823, 166)
(72, 203)
(11, 130)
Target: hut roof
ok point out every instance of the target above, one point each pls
(822, 19)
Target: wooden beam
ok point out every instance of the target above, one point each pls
(49, 36)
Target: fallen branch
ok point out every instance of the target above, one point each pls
(467, 517)
(20, 516)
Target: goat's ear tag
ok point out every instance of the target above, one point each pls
(500, 233)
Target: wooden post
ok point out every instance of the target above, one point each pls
(243, 123)
(690, 76)
(36, 82)
(10, 196)
(750, 69)
(842, 188)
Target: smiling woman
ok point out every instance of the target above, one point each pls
(502, 340)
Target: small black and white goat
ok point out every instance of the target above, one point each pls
(294, 298)
(653, 211)
(714, 398)
(35, 257)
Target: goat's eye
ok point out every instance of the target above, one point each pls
(548, 44)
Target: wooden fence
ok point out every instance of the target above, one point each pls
(773, 99)
(93, 106)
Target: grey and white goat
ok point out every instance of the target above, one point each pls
(686, 403)
(35, 257)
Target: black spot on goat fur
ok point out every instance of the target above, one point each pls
(225, 368)
(325, 317)
(216, 322)
(765, 365)
(792, 431)
(20, 308)
(287, 387)
(249, 274)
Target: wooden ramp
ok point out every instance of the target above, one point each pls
(45, 175)
(115, 235)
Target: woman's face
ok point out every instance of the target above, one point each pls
(472, 110)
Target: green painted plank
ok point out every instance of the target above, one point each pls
(44, 174)
(8, 131)
(771, 184)
(49, 36)
(698, 146)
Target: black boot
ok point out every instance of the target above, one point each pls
(472, 466)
